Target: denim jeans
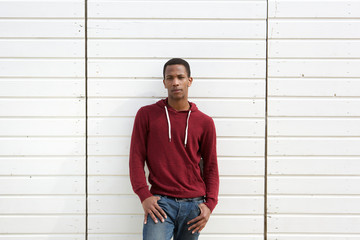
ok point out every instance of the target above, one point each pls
(175, 225)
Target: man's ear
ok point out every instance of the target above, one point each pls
(164, 82)
(190, 81)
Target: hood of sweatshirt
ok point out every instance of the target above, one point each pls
(164, 104)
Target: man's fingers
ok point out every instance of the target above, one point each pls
(145, 218)
(195, 230)
(153, 217)
(195, 220)
(195, 225)
(156, 212)
(161, 211)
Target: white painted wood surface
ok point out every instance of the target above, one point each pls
(42, 120)
(313, 118)
(313, 124)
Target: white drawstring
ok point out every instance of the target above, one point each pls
(187, 126)
(169, 125)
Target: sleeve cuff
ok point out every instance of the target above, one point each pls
(211, 203)
(144, 194)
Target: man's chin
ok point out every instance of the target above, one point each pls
(177, 97)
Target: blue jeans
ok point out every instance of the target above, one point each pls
(178, 214)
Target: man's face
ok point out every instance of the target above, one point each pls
(176, 81)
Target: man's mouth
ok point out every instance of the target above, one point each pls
(176, 90)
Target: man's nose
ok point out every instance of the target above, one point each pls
(176, 82)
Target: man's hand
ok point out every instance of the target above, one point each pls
(200, 221)
(151, 207)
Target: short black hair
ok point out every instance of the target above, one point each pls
(175, 61)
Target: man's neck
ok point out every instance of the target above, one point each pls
(180, 105)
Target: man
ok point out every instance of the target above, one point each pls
(172, 136)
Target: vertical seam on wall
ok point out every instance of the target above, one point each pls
(266, 120)
(86, 126)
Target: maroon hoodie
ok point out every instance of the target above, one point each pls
(172, 144)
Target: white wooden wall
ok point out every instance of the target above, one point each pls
(314, 125)
(313, 129)
(42, 120)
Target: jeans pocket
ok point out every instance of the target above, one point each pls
(198, 204)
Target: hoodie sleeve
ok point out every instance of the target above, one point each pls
(211, 172)
(138, 155)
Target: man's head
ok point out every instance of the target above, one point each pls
(179, 61)
(177, 79)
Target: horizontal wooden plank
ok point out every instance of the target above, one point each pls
(152, 28)
(35, 9)
(102, 204)
(230, 205)
(155, 88)
(164, 48)
(313, 127)
(114, 204)
(125, 107)
(119, 165)
(42, 88)
(314, 87)
(314, 28)
(42, 185)
(240, 147)
(108, 146)
(314, 165)
(122, 185)
(129, 68)
(314, 9)
(192, 10)
(313, 185)
(109, 185)
(226, 147)
(41, 28)
(240, 127)
(114, 126)
(42, 205)
(42, 127)
(32, 166)
(42, 224)
(226, 225)
(332, 107)
(313, 146)
(313, 204)
(71, 48)
(241, 185)
(29, 146)
(344, 48)
(134, 224)
(26, 107)
(255, 236)
(309, 68)
(314, 224)
(203, 236)
(314, 236)
(241, 166)
(43, 236)
(122, 126)
(108, 165)
(71, 68)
